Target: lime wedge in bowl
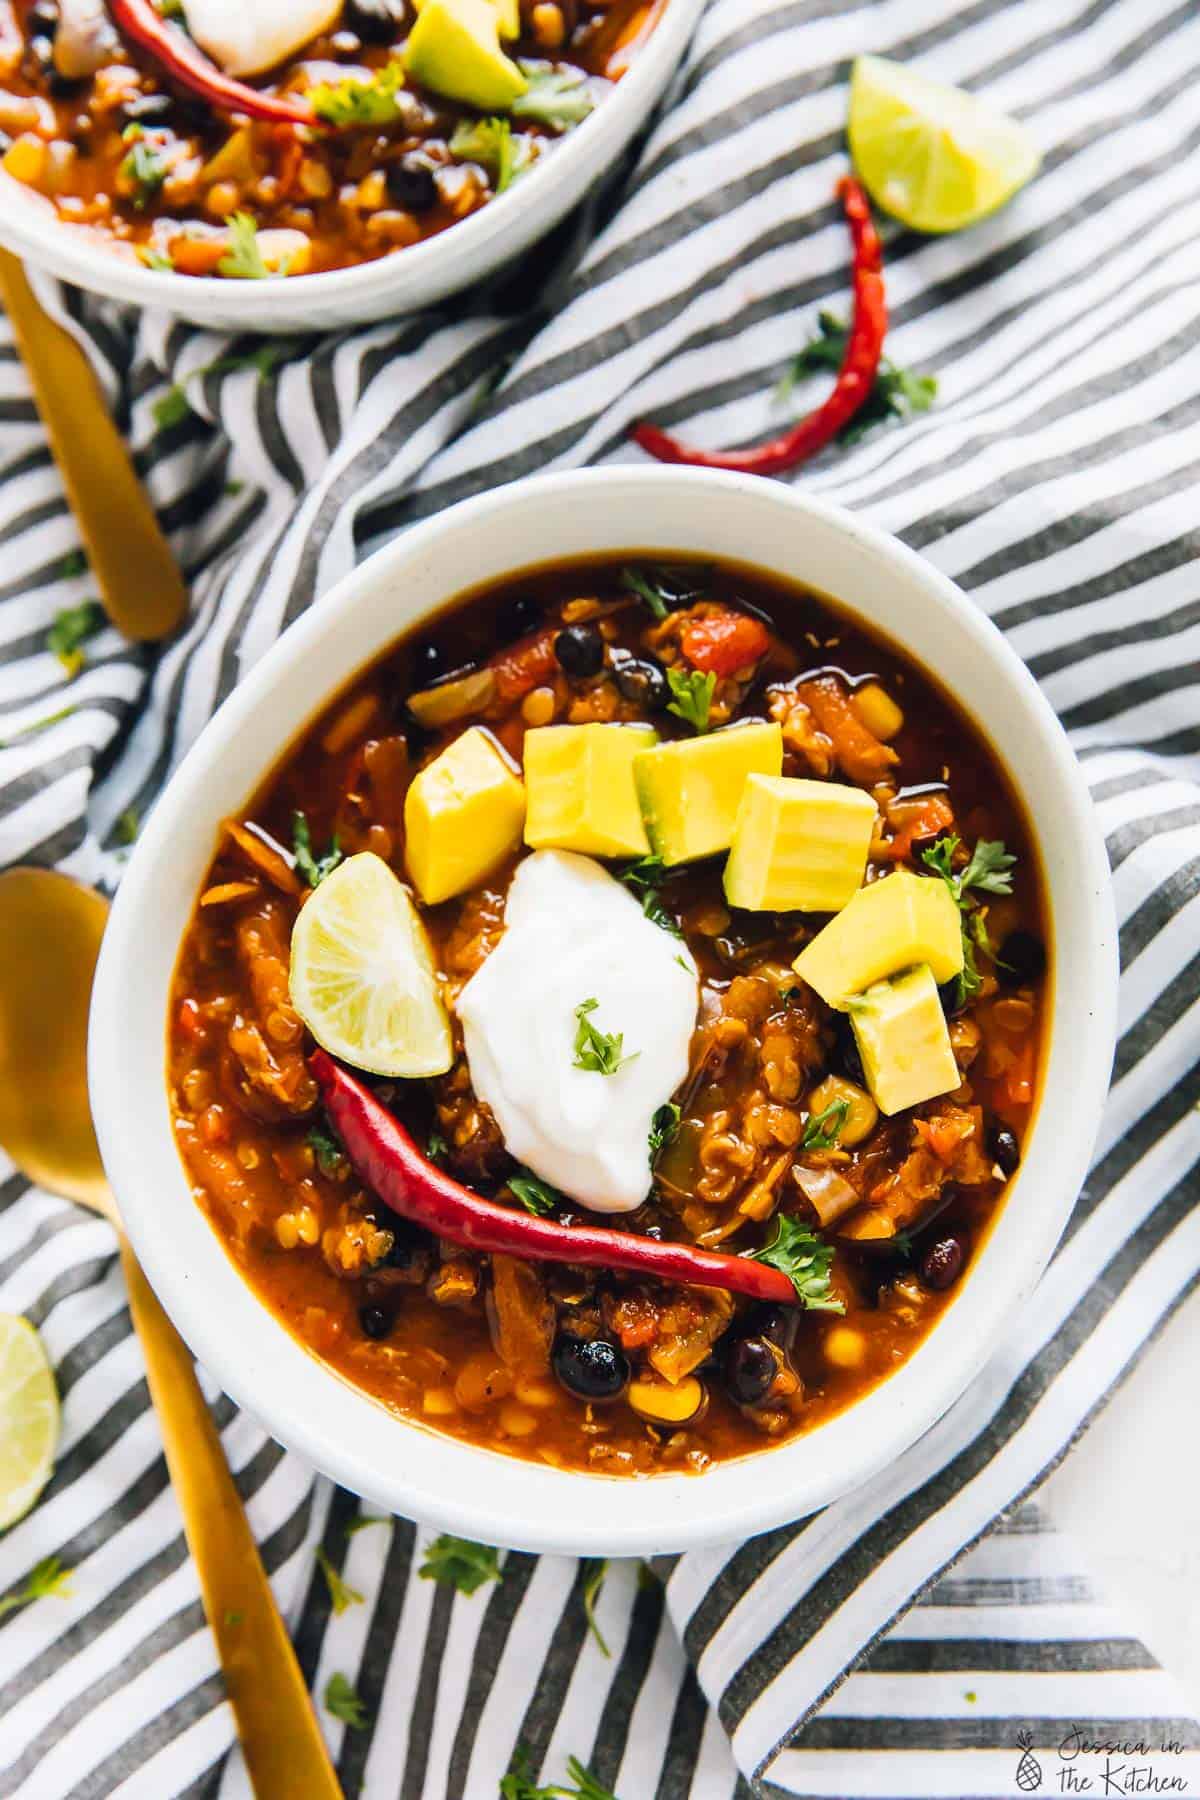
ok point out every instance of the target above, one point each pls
(363, 977)
(28, 1418)
(935, 157)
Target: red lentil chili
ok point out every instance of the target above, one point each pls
(855, 379)
(440, 1280)
(362, 128)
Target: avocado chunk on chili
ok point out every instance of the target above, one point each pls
(690, 790)
(890, 925)
(454, 48)
(903, 1040)
(798, 846)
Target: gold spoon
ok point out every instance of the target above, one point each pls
(129, 557)
(50, 931)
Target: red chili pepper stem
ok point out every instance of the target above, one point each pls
(180, 59)
(855, 378)
(386, 1159)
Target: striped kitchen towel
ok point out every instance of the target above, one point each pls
(1055, 480)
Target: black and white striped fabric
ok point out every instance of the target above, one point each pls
(1055, 480)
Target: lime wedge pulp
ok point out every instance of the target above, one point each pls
(28, 1418)
(935, 157)
(363, 978)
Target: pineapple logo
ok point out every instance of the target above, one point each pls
(1029, 1769)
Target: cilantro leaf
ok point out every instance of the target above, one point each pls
(156, 259)
(172, 407)
(143, 169)
(341, 1594)
(667, 586)
(54, 718)
(519, 1784)
(896, 394)
(127, 826)
(436, 1147)
(342, 1701)
(314, 869)
(458, 1563)
(243, 261)
(600, 1052)
(663, 1127)
(556, 98)
(822, 1130)
(73, 563)
(988, 869)
(354, 102)
(693, 696)
(493, 145)
(45, 1578)
(806, 1260)
(535, 1195)
(72, 628)
(645, 877)
(328, 1152)
(593, 1581)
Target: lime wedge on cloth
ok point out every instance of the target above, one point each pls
(28, 1418)
(933, 156)
(363, 978)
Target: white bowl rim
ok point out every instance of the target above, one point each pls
(483, 1494)
(436, 267)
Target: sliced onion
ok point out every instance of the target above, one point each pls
(455, 698)
(829, 1193)
(85, 39)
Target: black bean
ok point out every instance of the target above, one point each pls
(411, 185)
(942, 1263)
(775, 1323)
(643, 681)
(43, 17)
(951, 996)
(1022, 959)
(750, 1370)
(519, 616)
(428, 662)
(376, 1321)
(589, 1368)
(375, 20)
(846, 1059)
(1006, 1152)
(580, 650)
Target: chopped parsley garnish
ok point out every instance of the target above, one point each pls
(493, 145)
(342, 1701)
(667, 586)
(645, 877)
(173, 407)
(74, 563)
(354, 102)
(897, 394)
(806, 1260)
(243, 261)
(519, 1784)
(663, 1127)
(593, 1582)
(436, 1147)
(341, 1594)
(314, 869)
(72, 628)
(328, 1152)
(556, 98)
(535, 1195)
(989, 871)
(600, 1052)
(127, 826)
(822, 1130)
(45, 1578)
(157, 259)
(142, 167)
(35, 725)
(693, 696)
(458, 1563)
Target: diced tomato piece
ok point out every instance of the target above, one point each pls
(724, 642)
(530, 660)
(921, 819)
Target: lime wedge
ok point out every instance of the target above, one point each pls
(933, 156)
(363, 977)
(28, 1418)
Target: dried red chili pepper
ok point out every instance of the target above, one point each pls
(855, 379)
(184, 63)
(385, 1158)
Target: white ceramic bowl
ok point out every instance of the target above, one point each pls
(480, 1493)
(405, 282)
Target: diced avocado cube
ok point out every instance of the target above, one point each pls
(798, 846)
(887, 926)
(579, 789)
(508, 12)
(690, 791)
(462, 815)
(903, 1040)
(454, 48)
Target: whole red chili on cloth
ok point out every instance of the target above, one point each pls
(855, 378)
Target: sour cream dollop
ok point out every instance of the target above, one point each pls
(573, 933)
(245, 37)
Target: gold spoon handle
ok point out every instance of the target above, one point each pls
(282, 1742)
(131, 561)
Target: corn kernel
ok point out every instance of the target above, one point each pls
(538, 707)
(877, 711)
(286, 1231)
(662, 1404)
(439, 1402)
(25, 159)
(535, 1393)
(516, 1421)
(844, 1347)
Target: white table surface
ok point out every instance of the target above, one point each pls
(1129, 1492)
